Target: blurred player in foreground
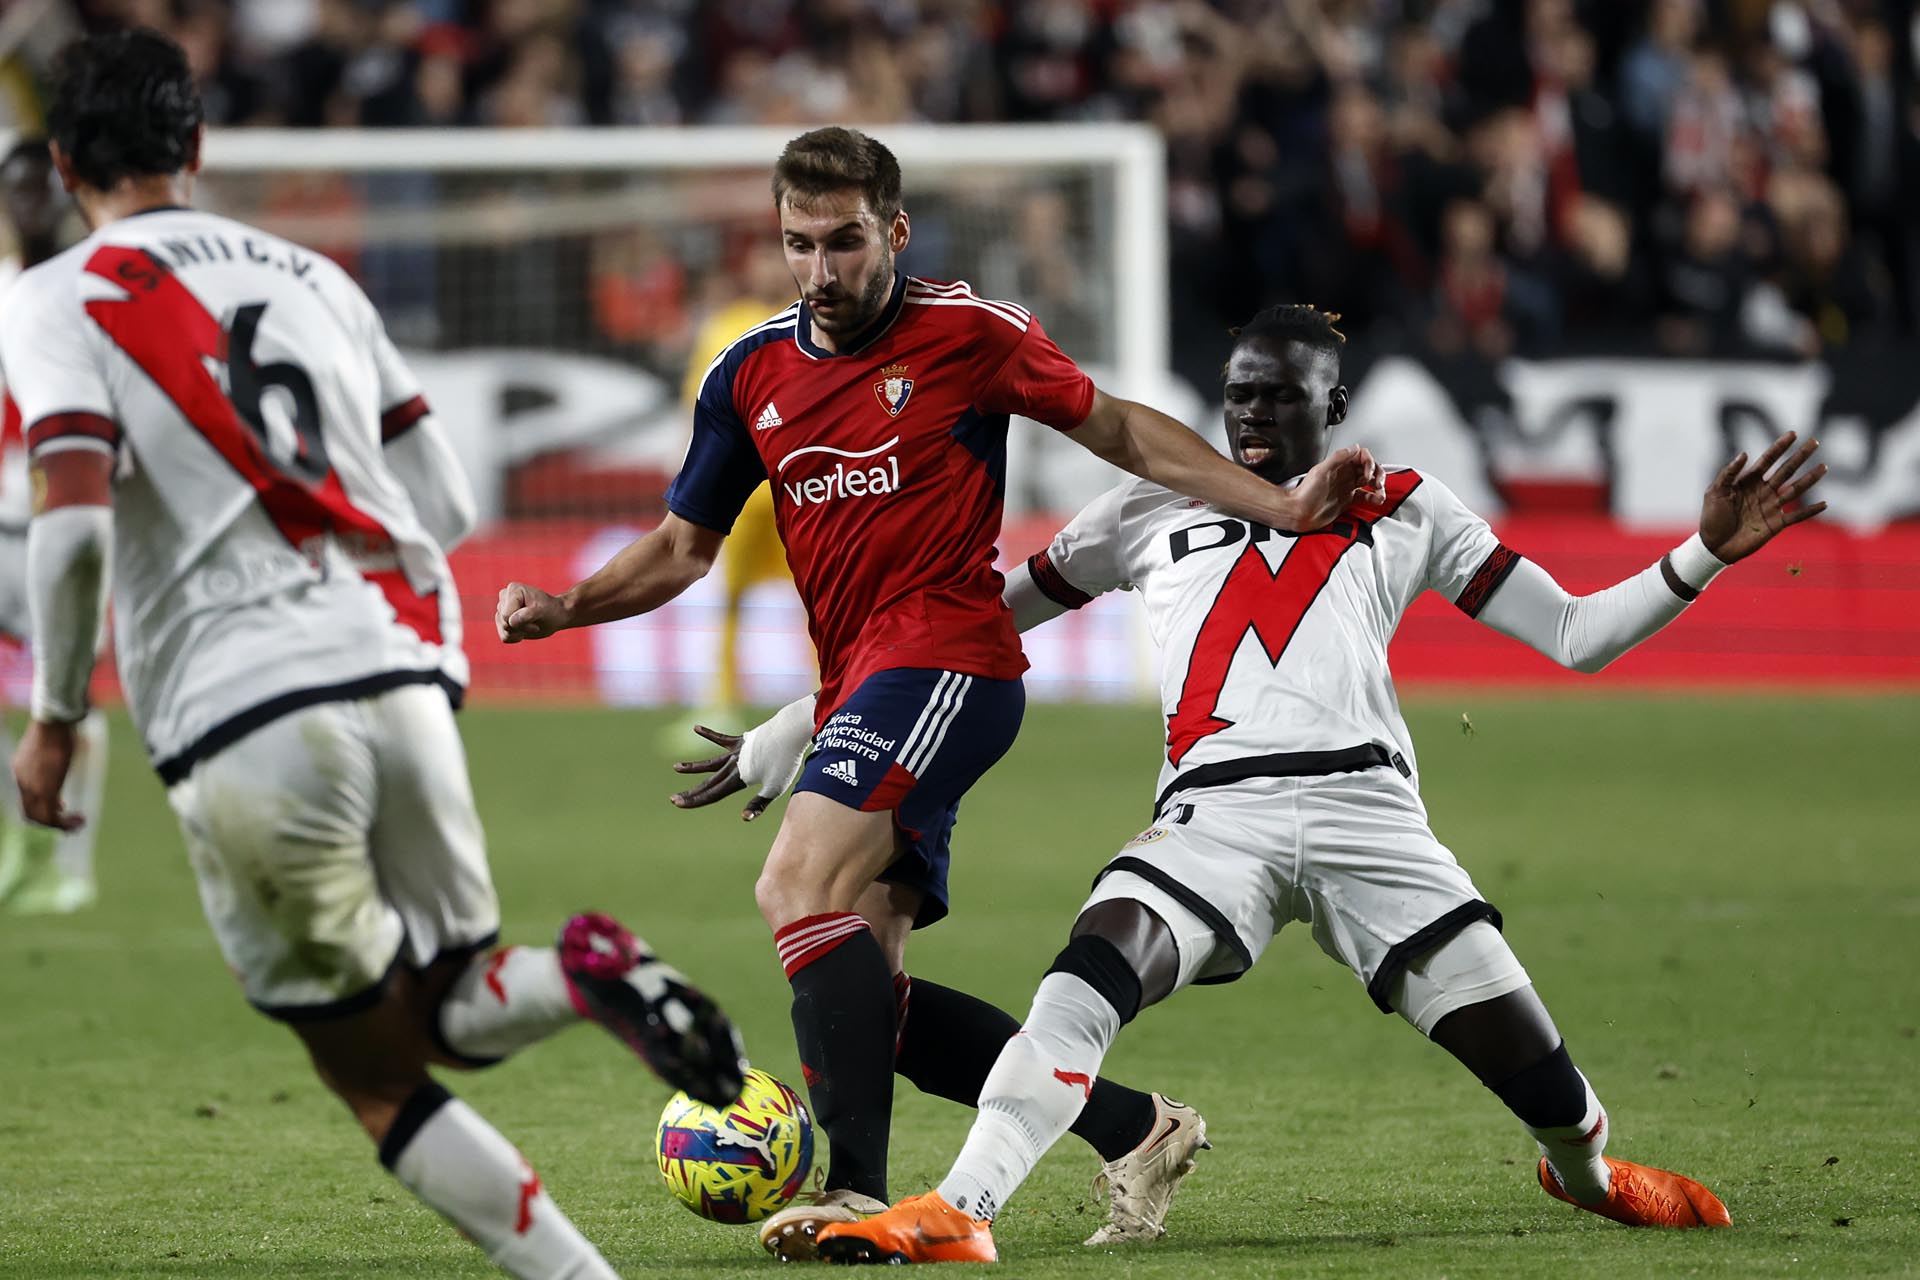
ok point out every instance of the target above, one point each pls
(41, 870)
(878, 407)
(225, 411)
(1290, 789)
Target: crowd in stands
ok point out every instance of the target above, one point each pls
(1479, 177)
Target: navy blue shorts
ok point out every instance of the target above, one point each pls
(910, 742)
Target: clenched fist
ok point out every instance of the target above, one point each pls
(528, 613)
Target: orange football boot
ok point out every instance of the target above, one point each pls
(918, 1229)
(1642, 1197)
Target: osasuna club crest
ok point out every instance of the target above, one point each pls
(893, 388)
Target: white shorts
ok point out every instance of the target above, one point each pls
(334, 842)
(1349, 854)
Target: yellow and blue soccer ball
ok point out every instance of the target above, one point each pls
(737, 1163)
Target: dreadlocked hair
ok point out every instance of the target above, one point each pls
(1295, 322)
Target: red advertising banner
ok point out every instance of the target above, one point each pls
(1821, 608)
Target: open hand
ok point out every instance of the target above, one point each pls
(527, 613)
(40, 769)
(726, 777)
(1747, 507)
(1337, 481)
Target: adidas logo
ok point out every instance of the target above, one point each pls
(768, 419)
(842, 771)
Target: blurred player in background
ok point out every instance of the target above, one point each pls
(41, 870)
(1290, 789)
(878, 406)
(225, 411)
(753, 553)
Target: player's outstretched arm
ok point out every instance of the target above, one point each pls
(67, 554)
(642, 576)
(1745, 508)
(1154, 447)
(767, 758)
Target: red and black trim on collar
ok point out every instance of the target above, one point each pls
(1494, 570)
(1052, 585)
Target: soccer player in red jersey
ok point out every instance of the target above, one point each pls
(877, 406)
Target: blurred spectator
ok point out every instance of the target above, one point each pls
(1043, 265)
(1707, 122)
(1601, 288)
(645, 54)
(1704, 289)
(1653, 71)
(639, 290)
(1470, 294)
(1826, 279)
(1051, 58)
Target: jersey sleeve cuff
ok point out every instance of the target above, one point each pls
(72, 430)
(401, 418)
(1084, 409)
(694, 515)
(1694, 565)
(1053, 585)
(1494, 570)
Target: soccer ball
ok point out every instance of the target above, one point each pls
(738, 1163)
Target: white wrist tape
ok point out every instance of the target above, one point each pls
(772, 752)
(1694, 565)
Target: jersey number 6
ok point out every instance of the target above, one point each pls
(248, 384)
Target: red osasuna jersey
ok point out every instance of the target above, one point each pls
(888, 467)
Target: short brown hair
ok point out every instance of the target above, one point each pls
(834, 159)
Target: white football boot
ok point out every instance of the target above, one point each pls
(1139, 1186)
(791, 1234)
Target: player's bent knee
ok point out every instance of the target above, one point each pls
(1143, 939)
(1472, 967)
(824, 858)
(1101, 965)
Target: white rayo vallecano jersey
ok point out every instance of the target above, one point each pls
(1272, 643)
(264, 554)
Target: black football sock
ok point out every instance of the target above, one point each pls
(949, 1041)
(844, 1023)
(1562, 1112)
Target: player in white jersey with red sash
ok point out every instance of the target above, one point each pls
(222, 411)
(1289, 790)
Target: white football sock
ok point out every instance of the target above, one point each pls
(1034, 1093)
(506, 1000)
(463, 1168)
(1573, 1151)
(85, 786)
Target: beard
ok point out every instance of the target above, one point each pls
(864, 310)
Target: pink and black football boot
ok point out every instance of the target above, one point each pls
(617, 981)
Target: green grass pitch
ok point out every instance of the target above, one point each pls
(1719, 899)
